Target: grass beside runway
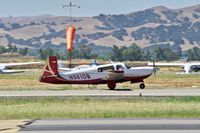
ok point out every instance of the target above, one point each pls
(167, 107)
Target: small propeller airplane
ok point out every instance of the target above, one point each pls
(4, 67)
(109, 74)
(188, 67)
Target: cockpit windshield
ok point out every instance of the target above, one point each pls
(127, 66)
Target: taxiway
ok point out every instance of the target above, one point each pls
(102, 93)
(113, 126)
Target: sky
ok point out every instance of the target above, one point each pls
(17, 8)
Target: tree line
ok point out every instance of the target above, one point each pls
(81, 52)
(13, 49)
(131, 53)
(135, 53)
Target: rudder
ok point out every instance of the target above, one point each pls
(50, 71)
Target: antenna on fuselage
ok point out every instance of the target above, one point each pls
(110, 61)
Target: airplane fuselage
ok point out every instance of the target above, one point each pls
(110, 73)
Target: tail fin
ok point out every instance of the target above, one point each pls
(50, 71)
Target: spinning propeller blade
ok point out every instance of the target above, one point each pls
(155, 69)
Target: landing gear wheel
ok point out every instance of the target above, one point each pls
(142, 86)
(111, 86)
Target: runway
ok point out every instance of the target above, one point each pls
(102, 93)
(113, 126)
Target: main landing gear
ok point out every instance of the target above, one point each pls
(111, 85)
(142, 86)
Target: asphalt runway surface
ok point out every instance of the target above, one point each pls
(102, 93)
(113, 126)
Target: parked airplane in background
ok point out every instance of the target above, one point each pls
(189, 67)
(4, 67)
(109, 74)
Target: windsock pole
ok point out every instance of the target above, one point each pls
(70, 31)
(70, 60)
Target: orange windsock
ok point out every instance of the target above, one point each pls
(70, 32)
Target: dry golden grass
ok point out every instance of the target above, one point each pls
(15, 57)
(171, 80)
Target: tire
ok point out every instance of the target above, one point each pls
(142, 86)
(111, 86)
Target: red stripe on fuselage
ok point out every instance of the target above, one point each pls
(59, 80)
(136, 79)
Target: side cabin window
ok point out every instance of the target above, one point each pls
(119, 68)
(195, 68)
(107, 68)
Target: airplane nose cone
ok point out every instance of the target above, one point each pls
(150, 70)
(141, 71)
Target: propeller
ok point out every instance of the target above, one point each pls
(155, 69)
(94, 63)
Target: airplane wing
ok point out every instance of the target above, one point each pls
(166, 64)
(3, 67)
(11, 71)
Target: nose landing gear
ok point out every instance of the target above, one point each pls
(142, 86)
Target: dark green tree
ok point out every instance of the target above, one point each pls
(193, 54)
(83, 52)
(45, 53)
(23, 51)
(132, 53)
(146, 55)
(11, 48)
(157, 53)
(14, 49)
(3, 49)
(116, 54)
(169, 55)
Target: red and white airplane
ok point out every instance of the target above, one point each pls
(109, 74)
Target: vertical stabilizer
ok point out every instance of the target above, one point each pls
(53, 65)
(50, 72)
